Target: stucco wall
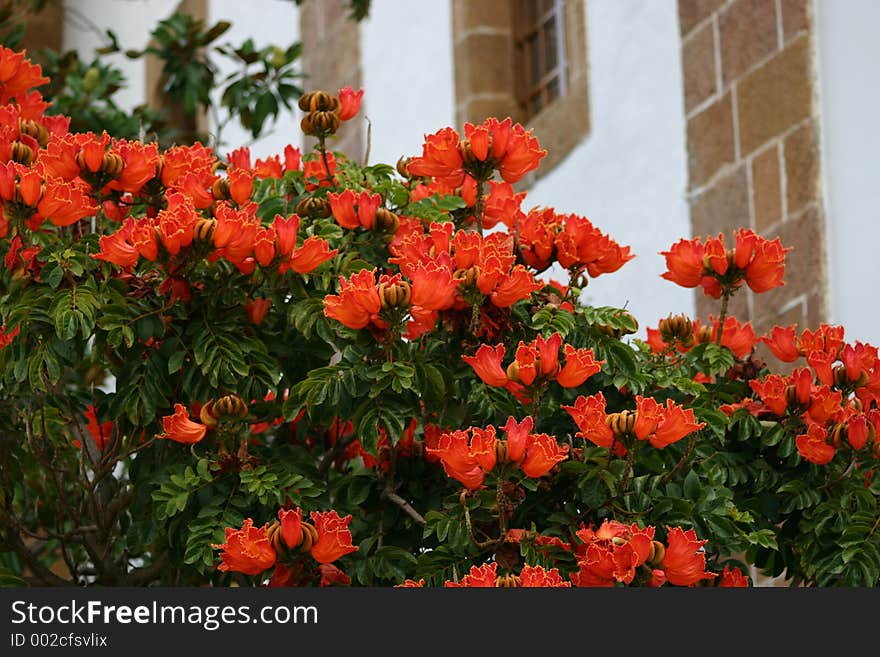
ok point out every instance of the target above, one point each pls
(849, 81)
(629, 177)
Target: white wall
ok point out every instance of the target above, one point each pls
(629, 177)
(267, 22)
(849, 82)
(85, 22)
(406, 50)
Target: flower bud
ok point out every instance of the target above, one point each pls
(313, 206)
(22, 153)
(403, 166)
(112, 165)
(204, 230)
(220, 189)
(658, 551)
(35, 130)
(386, 221)
(230, 406)
(318, 101)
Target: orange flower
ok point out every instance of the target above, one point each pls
(440, 158)
(117, 247)
(767, 266)
(314, 252)
(487, 364)
(358, 301)
(579, 366)
(589, 415)
(349, 103)
(411, 584)
(684, 263)
(334, 538)
(100, 433)
(755, 260)
(813, 445)
(537, 577)
(772, 390)
(781, 341)
(479, 577)
(291, 526)
(433, 287)
(257, 309)
(354, 210)
(331, 575)
(611, 554)
(542, 454)
(675, 423)
(18, 74)
(175, 224)
(140, 165)
(733, 578)
(463, 457)
(179, 428)
(582, 246)
(64, 203)
(246, 550)
(241, 185)
(519, 438)
(684, 562)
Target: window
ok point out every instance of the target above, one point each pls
(539, 54)
(526, 59)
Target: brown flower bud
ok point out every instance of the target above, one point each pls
(35, 130)
(395, 295)
(840, 378)
(838, 435)
(466, 277)
(513, 371)
(313, 206)
(220, 189)
(501, 451)
(112, 164)
(403, 166)
(318, 101)
(677, 328)
(204, 230)
(22, 153)
(658, 551)
(705, 334)
(310, 536)
(386, 221)
(230, 406)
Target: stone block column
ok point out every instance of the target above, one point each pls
(331, 60)
(750, 96)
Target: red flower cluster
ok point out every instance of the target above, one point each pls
(572, 240)
(482, 266)
(758, 262)
(468, 455)
(493, 144)
(535, 362)
(737, 336)
(486, 576)
(658, 424)
(614, 553)
(251, 550)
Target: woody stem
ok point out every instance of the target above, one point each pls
(470, 527)
(478, 209)
(684, 457)
(322, 149)
(725, 299)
